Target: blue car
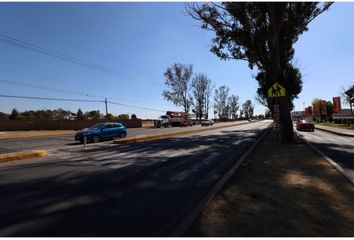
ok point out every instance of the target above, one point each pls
(102, 131)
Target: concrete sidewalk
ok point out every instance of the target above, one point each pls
(335, 130)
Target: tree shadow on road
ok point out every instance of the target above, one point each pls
(78, 196)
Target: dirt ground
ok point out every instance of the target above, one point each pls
(281, 190)
(30, 134)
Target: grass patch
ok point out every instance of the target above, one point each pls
(337, 125)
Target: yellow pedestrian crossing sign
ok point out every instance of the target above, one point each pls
(276, 90)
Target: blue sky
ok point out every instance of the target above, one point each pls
(139, 41)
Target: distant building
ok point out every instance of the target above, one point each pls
(336, 105)
(297, 115)
(344, 114)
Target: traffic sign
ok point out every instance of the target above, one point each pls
(276, 90)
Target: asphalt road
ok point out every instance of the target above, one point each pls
(140, 189)
(339, 148)
(47, 143)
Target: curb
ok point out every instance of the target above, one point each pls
(338, 133)
(6, 157)
(167, 134)
(183, 226)
(329, 160)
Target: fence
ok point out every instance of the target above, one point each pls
(24, 125)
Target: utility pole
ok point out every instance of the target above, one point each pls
(105, 101)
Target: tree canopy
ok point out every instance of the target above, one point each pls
(220, 102)
(200, 86)
(348, 95)
(177, 79)
(262, 33)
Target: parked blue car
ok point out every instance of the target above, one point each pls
(102, 131)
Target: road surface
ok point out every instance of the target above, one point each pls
(140, 189)
(339, 148)
(47, 143)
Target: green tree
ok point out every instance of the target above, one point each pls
(123, 117)
(220, 101)
(110, 117)
(262, 33)
(316, 113)
(200, 84)
(248, 109)
(177, 79)
(28, 115)
(208, 94)
(348, 95)
(133, 116)
(329, 110)
(233, 102)
(80, 115)
(14, 114)
(4, 116)
(93, 115)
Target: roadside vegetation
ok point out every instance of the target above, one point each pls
(61, 114)
(325, 113)
(195, 94)
(263, 34)
(338, 125)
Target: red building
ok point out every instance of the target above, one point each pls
(336, 105)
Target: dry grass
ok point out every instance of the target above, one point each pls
(31, 134)
(281, 190)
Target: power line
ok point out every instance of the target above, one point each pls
(53, 89)
(51, 53)
(65, 57)
(51, 99)
(143, 108)
(77, 100)
(45, 88)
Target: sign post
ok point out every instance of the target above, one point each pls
(85, 140)
(276, 90)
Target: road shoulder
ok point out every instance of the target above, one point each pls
(281, 190)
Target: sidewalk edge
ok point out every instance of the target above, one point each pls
(202, 204)
(329, 160)
(7, 157)
(338, 133)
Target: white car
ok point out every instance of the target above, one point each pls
(207, 122)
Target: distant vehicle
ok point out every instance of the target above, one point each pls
(187, 123)
(102, 131)
(305, 125)
(172, 119)
(207, 122)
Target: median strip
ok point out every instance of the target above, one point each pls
(171, 133)
(6, 157)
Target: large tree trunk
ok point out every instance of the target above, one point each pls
(285, 124)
